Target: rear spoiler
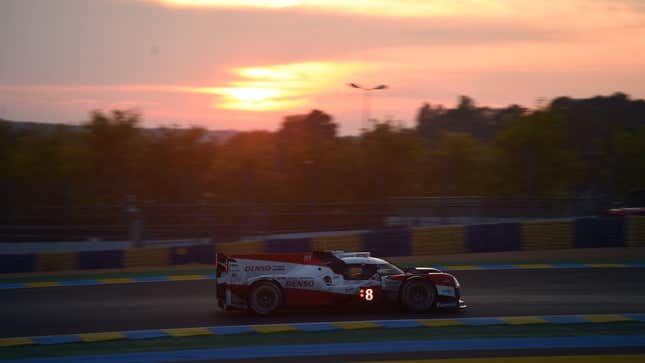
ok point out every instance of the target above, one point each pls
(221, 264)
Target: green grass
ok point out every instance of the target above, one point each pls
(341, 336)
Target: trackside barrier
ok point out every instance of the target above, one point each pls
(599, 232)
(493, 237)
(17, 263)
(88, 260)
(635, 231)
(343, 242)
(65, 261)
(145, 257)
(242, 247)
(292, 245)
(192, 254)
(388, 242)
(545, 235)
(438, 240)
(533, 235)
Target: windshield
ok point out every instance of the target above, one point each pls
(387, 269)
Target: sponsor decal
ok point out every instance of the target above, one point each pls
(299, 283)
(445, 290)
(252, 268)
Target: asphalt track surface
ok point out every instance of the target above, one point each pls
(180, 304)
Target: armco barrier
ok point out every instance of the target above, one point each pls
(534, 235)
(17, 263)
(545, 235)
(287, 245)
(242, 247)
(493, 237)
(204, 254)
(438, 240)
(342, 242)
(144, 257)
(635, 236)
(100, 259)
(192, 254)
(65, 261)
(388, 242)
(599, 232)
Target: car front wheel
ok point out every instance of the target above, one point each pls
(418, 295)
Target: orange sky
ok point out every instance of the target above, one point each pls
(244, 64)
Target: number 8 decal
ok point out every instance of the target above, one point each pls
(369, 295)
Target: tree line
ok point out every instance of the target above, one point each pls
(568, 147)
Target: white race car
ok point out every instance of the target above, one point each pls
(264, 283)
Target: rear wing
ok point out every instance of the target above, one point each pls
(221, 264)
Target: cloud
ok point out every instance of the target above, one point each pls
(596, 11)
(383, 8)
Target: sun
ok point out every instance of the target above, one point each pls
(279, 87)
(252, 94)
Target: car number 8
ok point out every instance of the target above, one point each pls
(367, 294)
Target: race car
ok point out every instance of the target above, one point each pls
(264, 283)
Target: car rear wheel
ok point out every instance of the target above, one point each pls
(418, 295)
(265, 297)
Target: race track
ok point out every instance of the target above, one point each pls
(67, 310)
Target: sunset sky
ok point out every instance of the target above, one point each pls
(245, 64)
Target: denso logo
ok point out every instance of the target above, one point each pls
(257, 268)
(300, 283)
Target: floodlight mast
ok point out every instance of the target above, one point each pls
(366, 101)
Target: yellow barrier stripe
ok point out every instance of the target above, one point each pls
(101, 337)
(117, 280)
(187, 332)
(521, 320)
(606, 318)
(186, 277)
(273, 328)
(12, 342)
(533, 265)
(600, 358)
(43, 284)
(348, 325)
(440, 322)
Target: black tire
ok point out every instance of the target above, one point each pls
(265, 298)
(418, 295)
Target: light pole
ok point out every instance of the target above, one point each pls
(366, 101)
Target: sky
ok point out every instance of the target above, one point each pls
(245, 64)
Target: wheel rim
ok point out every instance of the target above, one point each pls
(419, 295)
(266, 298)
